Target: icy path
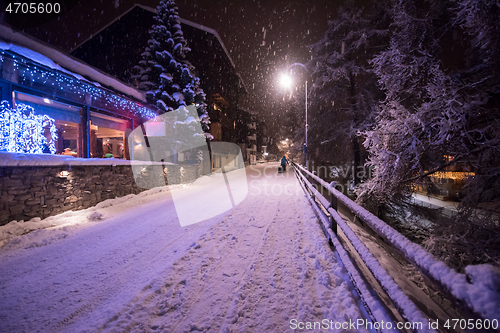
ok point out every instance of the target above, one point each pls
(252, 269)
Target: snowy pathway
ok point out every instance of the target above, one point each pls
(256, 268)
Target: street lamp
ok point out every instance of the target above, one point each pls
(286, 81)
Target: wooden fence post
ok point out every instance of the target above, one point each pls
(313, 182)
(333, 199)
(334, 205)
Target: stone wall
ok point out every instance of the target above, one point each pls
(42, 191)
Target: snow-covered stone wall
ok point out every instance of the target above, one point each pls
(41, 191)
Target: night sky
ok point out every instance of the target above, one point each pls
(263, 37)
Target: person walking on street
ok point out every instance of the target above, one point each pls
(284, 162)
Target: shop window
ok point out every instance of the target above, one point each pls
(67, 119)
(107, 136)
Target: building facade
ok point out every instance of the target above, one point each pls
(93, 113)
(58, 118)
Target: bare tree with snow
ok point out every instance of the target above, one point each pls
(344, 93)
(433, 118)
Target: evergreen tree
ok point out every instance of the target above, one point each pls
(344, 93)
(164, 73)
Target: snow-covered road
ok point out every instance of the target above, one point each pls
(264, 266)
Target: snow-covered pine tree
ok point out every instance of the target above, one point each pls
(164, 73)
(344, 94)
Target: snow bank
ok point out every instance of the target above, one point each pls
(25, 234)
(20, 159)
(37, 232)
(375, 308)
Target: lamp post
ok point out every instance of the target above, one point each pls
(286, 81)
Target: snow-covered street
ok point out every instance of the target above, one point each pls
(256, 268)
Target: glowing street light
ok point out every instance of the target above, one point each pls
(286, 81)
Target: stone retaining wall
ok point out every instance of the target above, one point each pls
(42, 191)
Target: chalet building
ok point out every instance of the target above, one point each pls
(64, 133)
(74, 110)
(110, 50)
(93, 112)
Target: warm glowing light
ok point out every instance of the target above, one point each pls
(286, 81)
(452, 175)
(46, 100)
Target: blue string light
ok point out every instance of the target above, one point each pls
(30, 74)
(21, 131)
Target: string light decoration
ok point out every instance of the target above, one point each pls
(21, 131)
(31, 74)
(452, 175)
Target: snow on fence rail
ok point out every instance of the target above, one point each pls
(407, 308)
(373, 306)
(476, 297)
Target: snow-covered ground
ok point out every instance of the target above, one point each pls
(128, 265)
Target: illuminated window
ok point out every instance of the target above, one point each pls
(107, 135)
(67, 120)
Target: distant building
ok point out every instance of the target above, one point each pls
(448, 184)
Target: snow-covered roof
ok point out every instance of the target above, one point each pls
(213, 32)
(210, 31)
(46, 55)
(153, 10)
